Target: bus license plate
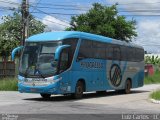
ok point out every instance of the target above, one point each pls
(39, 80)
(33, 90)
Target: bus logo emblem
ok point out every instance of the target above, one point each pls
(115, 75)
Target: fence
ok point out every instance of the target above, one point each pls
(7, 69)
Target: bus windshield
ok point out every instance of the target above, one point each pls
(37, 59)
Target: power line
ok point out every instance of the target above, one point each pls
(136, 3)
(68, 14)
(75, 5)
(86, 6)
(50, 15)
(64, 5)
(36, 5)
(56, 13)
(143, 15)
(138, 10)
(150, 45)
(9, 2)
(51, 21)
(8, 8)
(82, 9)
(63, 8)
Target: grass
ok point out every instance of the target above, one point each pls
(154, 79)
(155, 95)
(8, 84)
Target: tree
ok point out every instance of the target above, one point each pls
(155, 60)
(11, 31)
(104, 21)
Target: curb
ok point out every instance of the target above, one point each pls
(155, 101)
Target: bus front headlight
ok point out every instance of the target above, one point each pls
(21, 79)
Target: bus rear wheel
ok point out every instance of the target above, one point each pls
(128, 86)
(79, 90)
(45, 96)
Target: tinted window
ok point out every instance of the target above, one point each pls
(99, 44)
(64, 65)
(109, 52)
(92, 49)
(139, 54)
(124, 56)
(116, 53)
(99, 53)
(73, 42)
(85, 50)
(130, 54)
(99, 50)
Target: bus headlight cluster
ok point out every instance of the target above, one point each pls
(57, 78)
(21, 79)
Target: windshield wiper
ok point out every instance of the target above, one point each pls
(39, 72)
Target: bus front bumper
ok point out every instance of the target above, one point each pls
(50, 89)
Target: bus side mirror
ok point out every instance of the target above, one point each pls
(15, 50)
(58, 51)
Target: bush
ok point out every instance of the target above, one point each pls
(152, 79)
(155, 95)
(8, 84)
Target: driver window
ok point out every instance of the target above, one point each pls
(64, 64)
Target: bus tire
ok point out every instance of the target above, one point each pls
(128, 86)
(79, 90)
(45, 96)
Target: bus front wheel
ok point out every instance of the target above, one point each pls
(45, 96)
(79, 90)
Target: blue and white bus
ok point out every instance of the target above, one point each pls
(71, 62)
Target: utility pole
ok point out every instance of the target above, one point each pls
(25, 24)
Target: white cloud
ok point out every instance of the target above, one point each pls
(55, 24)
(149, 35)
(10, 3)
(138, 5)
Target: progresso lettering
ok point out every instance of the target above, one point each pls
(91, 65)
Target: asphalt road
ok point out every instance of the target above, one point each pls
(111, 105)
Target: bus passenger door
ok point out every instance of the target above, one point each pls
(63, 70)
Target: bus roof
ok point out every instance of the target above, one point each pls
(60, 35)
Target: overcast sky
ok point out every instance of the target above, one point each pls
(56, 15)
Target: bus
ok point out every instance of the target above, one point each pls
(72, 62)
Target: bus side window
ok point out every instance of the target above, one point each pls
(131, 54)
(109, 52)
(73, 42)
(85, 50)
(64, 61)
(99, 50)
(139, 55)
(116, 53)
(123, 53)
